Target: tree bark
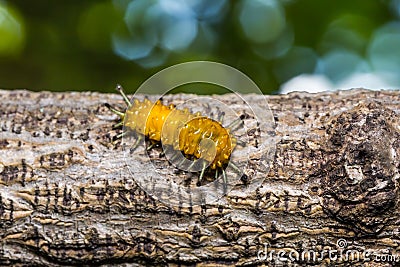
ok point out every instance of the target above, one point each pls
(68, 198)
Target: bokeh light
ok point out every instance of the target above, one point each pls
(298, 60)
(94, 34)
(384, 52)
(281, 45)
(339, 64)
(277, 48)
(347, 32)
(395, 6)
(156, 28)
(262, 21)
(12, 34)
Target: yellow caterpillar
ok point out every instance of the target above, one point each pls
(189, 133)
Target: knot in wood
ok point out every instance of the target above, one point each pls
(359, 179)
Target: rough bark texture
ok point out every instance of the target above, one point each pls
(67, 198)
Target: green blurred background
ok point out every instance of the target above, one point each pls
(282, 45)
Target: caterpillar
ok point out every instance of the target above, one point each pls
(179, 129)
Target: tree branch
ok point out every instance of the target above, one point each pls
(68, 198)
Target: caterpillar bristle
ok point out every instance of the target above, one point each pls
(115, 111)
(236, 124)
(119, 124)
(191, 165)
(117, 138)
(121, 91)
(221, 116)
(174, 157)
(236, 168)
(136, 144)
(202, 173)
(224, 178)
(121, 135)
(151, 146)
(240, 143)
